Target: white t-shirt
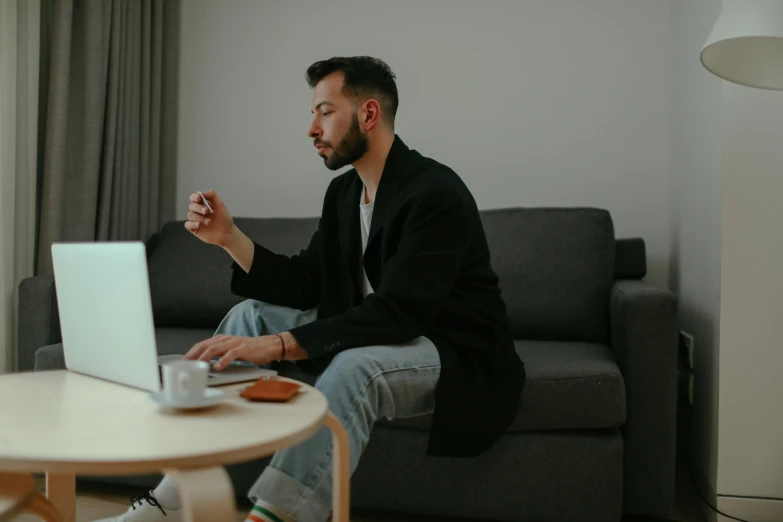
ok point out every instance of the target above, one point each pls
(365, 210)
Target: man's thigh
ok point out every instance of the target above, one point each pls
(399, 379)
(253, 318)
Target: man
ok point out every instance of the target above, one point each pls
(394, 302)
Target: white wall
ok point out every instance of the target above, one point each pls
(696, 223)
(533, 103)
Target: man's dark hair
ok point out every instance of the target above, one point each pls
(365, 77)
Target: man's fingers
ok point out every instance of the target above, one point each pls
(198, 218)
(198, 209)
(230, 356)
(197, 349)
(198, 221)
(210, 348)
(218, 348)
(196, 197)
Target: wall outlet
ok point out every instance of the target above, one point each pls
(685, 383)
(687, 346)
(691, 378)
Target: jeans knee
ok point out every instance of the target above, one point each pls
(248, 307)
(242, 319)
(349, 374)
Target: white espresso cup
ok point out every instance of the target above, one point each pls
(185, 381)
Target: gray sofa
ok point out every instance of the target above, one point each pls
(595, 434)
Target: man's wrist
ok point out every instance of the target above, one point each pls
(232, 240)
(293, 350)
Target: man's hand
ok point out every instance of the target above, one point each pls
(257, 350)
(215, 228)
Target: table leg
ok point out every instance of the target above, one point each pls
(38, 505)
(341, 480)
(16, 489)
(206, 494)
(61, 492)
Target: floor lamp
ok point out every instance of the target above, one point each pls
(746, 44)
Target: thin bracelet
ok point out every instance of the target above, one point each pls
(282, 355)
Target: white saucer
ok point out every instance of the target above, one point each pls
(211, 397)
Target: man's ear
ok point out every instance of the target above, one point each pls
(370, 115)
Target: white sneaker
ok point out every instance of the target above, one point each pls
(145, 508)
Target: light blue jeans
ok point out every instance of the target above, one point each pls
(361, 385)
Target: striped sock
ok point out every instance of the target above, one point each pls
(263, 512)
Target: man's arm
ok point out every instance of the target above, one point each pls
(240, 248)
(415, 285)
(258, 273)
(261, 274)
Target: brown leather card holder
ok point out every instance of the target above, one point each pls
(270, 390)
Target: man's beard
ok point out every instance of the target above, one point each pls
(351, 148)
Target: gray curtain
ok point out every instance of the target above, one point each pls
(108, 121)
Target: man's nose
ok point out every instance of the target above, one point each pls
(313, 131)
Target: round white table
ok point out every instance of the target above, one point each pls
(67, 424)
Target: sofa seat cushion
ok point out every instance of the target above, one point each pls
(169, 341)
(569, 386)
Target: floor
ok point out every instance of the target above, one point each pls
(96, 501)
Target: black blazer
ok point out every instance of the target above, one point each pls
(428, 261)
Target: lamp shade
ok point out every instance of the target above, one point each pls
(746, 44)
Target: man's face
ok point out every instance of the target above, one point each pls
(335, 128)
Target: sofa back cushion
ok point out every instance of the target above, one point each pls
(556, 268)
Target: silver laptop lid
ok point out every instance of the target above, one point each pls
(103, 296)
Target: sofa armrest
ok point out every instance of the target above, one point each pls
(39, 321)
(644, 340)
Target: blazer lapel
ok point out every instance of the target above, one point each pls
(387, 187)
(350, 234)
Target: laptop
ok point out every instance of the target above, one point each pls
(103, 296)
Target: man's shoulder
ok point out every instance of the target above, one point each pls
(428, 174)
